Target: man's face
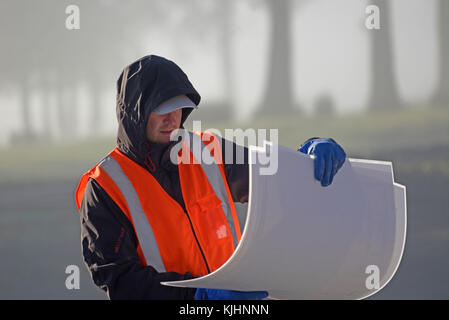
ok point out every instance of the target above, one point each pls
(160, 126)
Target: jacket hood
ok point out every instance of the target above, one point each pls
(142, 86)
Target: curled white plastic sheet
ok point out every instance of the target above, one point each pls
(305, 241)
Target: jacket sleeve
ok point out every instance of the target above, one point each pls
(235, 161)
(109, 243)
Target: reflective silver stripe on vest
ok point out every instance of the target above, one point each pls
(141, 224)
(213, 174)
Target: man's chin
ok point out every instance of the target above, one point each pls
(163, 139)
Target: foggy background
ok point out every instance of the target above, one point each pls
(308, 68)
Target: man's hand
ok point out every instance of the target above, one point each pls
(329, 158)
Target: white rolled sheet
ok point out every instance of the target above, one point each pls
(305, 241)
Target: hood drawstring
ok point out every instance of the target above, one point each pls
(151, 166)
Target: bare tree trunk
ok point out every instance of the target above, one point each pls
(60, 101)
(278, 98)
(442, 94)
(95, 105)
(72, 110)
(25, 92)
(225, 11)
(384, 92)
(66, 103)
(46, 90)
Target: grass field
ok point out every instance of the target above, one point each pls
(361, 135)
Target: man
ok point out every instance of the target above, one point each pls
(145, 219)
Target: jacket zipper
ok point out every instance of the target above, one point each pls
(198, 243)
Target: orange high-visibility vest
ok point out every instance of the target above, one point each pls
(198, 240)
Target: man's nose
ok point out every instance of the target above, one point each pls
(170, 117)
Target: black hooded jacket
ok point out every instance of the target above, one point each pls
(108, 239)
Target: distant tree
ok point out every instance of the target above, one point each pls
(206, 25)
(278, 97)
(324, 105)
(33, 34)
(113, 31)
(384, 91)
(97, 51)
(441, 97)
(41, 47)
(15, 57)
(225, 12)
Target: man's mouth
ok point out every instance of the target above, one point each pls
(166, 132)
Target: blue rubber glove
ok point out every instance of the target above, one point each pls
(329, 158)
(221, 294)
